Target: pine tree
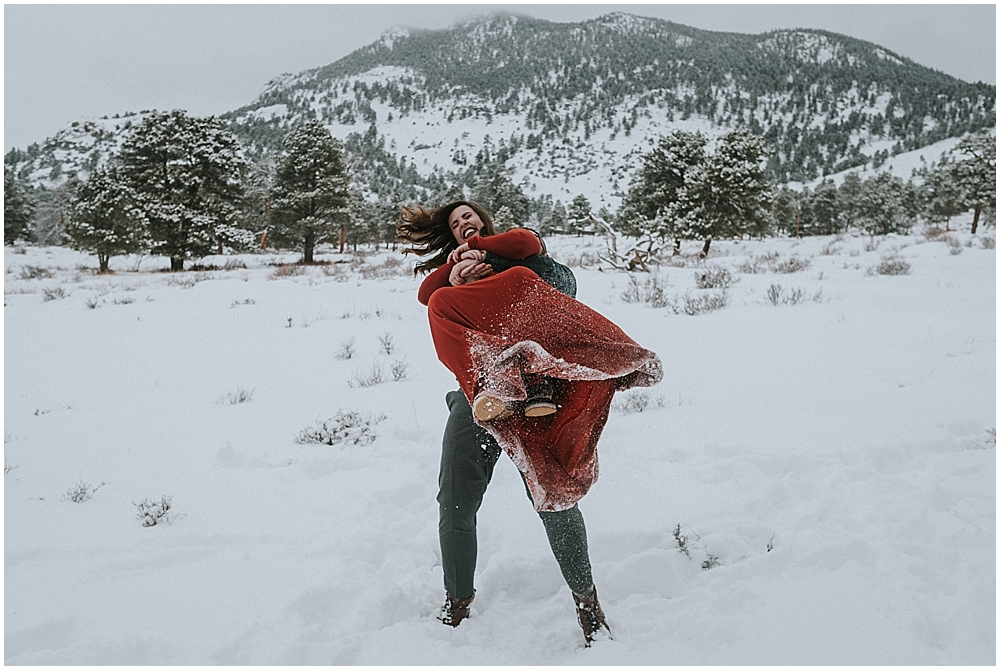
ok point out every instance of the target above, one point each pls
(495, 188)
(684, 193)
(187, 174)
(975, 174)
(881, 205)
(579, 215)
(17, 209)
(310, 200)
(736, 193)
(824, 209)
(105, 218)
(661, 196)
(849, 194)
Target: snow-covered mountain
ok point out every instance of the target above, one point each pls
(571, 106)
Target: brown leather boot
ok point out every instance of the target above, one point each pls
(591, 615)
(454, 611)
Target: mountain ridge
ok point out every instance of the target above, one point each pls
(572, 106)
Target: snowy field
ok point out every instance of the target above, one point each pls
(814, 481)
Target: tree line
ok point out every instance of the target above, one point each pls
(181, 187)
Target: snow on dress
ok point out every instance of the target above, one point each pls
(490, 332)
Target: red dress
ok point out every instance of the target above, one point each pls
(491, 331)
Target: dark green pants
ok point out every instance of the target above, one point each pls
(467, 458)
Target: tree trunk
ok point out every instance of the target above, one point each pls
(307, 254)
(176, 264)
(704, 249)
(102, 263)
(343, 237)
(975, 218)
(677, 247)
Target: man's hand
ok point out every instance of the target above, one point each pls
(464, 253)
(469, 270)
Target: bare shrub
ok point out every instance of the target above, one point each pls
(793, 264)
(757, 264)
(714, 278)
(287, 270)
(336, 271)
(702, 304)
(390, 267)
(400, 370)
(637, 401)
(890, 265)
(237, 303)
(346, 426)
(81, 492)
(988, 242)
(387, 342)
(237, 397)
(234, 264)
(373, 377)
(155, 512)
(651, 291)
(35, 272)
(935, 233)
(774, 292)
(346, 350)
(49, 294)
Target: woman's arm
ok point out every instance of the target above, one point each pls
(453, 274)
(434, 281)
(517, 244)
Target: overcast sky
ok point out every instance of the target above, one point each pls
(69, 62)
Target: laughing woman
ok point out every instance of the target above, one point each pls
(538, 368)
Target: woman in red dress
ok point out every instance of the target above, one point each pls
(493, 329)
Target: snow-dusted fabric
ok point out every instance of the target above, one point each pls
(490, 332)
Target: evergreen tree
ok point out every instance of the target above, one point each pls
(683, 193)
(662, 193)
(310, 202)
(736, 194)
(579, 216)
(824, 209)
(557, 223)
(976, 174)
(849, 194)
(186, 174)
(17, 209)
(786, 210)
(940, 196)
(881, 205)
(105, 218)
(495, 188)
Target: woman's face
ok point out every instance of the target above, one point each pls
(464, 223)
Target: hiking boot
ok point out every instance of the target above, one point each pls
(539, 402)
(454, 611)
(489, 408)
(591, 616)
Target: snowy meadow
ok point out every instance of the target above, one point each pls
(237, 464)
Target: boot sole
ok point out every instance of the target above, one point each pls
(540, 409)
(488, 408)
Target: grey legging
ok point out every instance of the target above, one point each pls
(467, 458)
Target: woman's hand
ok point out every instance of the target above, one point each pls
(463, 252)
(469, 270)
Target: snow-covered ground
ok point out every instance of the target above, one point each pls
(828, 463)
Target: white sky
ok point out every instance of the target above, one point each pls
(69, 62)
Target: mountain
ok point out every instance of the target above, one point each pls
(571, 106)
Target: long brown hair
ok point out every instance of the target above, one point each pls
(428, 231)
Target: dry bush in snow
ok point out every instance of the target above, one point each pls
(347, 426)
